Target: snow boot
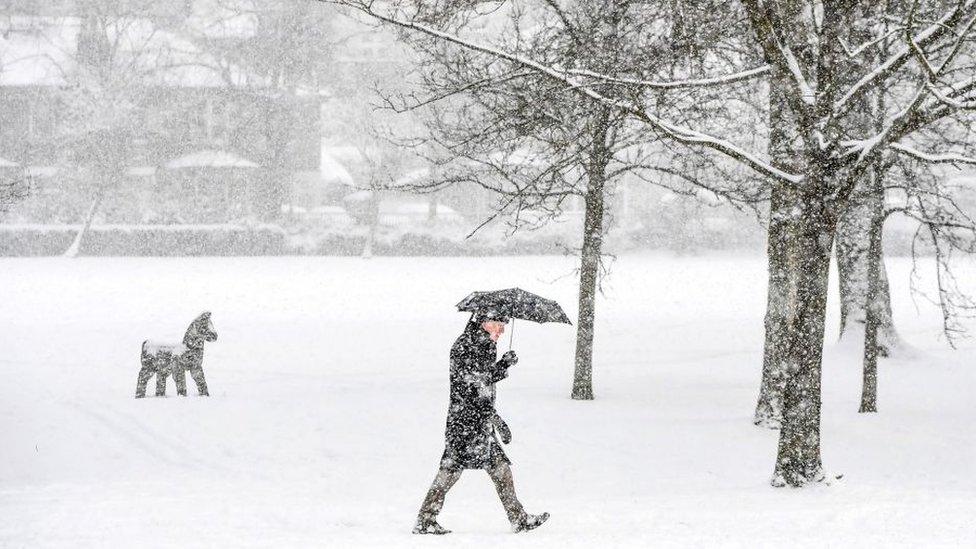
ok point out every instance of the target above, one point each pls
(530, 522)
(429, 526)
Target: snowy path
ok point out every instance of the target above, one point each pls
(329, 391)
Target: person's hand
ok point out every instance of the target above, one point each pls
(510, 358)
(503, 429)
(505, 432)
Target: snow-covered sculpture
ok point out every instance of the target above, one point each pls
(163, 359)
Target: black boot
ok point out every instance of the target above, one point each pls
(429, 526)
(529, 522)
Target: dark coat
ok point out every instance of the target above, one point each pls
(470, 437)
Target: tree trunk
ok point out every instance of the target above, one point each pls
(798, 458)
(877, 303)
(590, 258)
(874, 306)
(780, 297)
(432, 209)
(589, 274)
(781, 252)
(854, 256)
(374, 222)
(75, 246)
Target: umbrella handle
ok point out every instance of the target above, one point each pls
(512, 337)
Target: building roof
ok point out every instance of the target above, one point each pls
(42, 171)
(210, 159)
(346, 154)
(332, 170)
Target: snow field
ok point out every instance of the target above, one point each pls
(329, 384)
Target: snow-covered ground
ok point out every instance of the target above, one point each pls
(329, 384)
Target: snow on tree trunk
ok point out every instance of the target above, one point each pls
(798, 459)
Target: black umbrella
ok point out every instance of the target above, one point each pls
(514, 303)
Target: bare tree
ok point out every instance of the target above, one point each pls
(944, 227)
(105, 84)
(537, 144)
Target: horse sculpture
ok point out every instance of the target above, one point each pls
(163, 359)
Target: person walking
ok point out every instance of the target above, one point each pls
(472, 422)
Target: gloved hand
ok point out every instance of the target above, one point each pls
(510, 358)
(503, 429)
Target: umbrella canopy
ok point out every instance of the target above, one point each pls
(514, 303)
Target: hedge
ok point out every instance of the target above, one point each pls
(144, 240)
(235, 240)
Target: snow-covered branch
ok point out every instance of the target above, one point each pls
(806, 91)
(945, 158)
(852, 53)
(950, 97)
(675, 84)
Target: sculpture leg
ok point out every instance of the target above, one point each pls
(197, 373)
(161, 381)
(179, 376)
(145, 373)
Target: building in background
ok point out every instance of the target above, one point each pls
(201, 139)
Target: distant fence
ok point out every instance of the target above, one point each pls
(407, 244)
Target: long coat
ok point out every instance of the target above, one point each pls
(470, 437)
